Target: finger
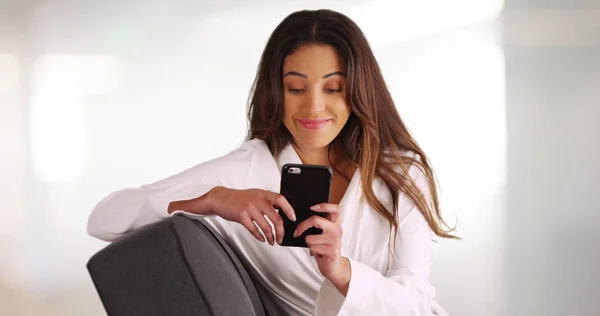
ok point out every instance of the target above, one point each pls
(332, 209)
(313, 221)
(282, 202)
(312, 254)
(264, 225)
(247, 222)
(276, 220)
(321, 239)
(326, 251)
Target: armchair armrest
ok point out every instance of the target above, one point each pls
(178, 266)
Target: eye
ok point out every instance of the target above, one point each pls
(332, 91)
(295, 91)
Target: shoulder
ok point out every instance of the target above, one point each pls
(411, 165)
(412, 169)
(247, 150)
(233, 168)
(259, 146)
(253, 153)
(415, 170)
(240, 157)
(257, 150)
(409, 157)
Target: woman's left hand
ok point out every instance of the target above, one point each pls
(326, 247)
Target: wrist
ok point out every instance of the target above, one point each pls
(202, 205)
(181, 205)
(208, 203)
(341, 279)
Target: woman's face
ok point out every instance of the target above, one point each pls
(314, 83)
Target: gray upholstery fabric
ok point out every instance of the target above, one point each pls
(178, 266)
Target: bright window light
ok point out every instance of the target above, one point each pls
(9, 73)
(452, 96)
(58, 134)
(391, 21)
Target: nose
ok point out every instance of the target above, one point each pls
(314, 102)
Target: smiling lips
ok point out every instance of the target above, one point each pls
(313, 124)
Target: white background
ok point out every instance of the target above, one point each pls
(100, 95)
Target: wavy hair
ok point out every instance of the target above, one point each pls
(375, 138)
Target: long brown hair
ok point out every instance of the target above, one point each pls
(375, 138)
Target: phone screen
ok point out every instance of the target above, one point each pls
(303, 186)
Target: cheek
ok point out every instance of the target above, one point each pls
(289, 108)
(341, 110)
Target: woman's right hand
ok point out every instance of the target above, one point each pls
(249, 206)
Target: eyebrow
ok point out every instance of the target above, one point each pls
(294, 73)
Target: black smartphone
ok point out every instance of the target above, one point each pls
(303, 186)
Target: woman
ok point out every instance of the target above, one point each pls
(318, 98)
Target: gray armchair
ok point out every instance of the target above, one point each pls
(178, 266)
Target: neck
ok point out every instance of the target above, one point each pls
(319, 156)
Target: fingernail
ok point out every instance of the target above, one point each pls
(262, 239)
(293, 217)
(315, 207)
(296, 233)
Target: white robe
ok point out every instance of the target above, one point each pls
(380, 283)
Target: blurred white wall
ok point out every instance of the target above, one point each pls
(100, 95)
(553, 110)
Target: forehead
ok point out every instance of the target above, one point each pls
(313, 59)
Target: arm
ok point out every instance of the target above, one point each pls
(404, 289)
(129, 209)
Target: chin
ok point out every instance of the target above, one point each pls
(315, 141)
